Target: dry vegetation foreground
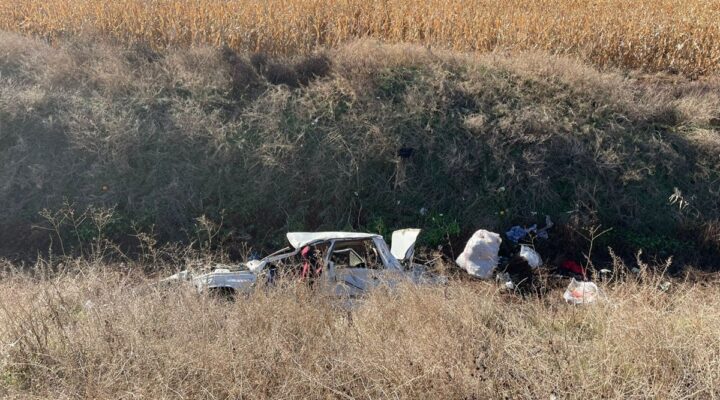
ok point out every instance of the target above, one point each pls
(680, 35)
(99, 334)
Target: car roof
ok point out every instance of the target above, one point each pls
(301, 239)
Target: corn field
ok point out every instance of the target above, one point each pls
(653, 35)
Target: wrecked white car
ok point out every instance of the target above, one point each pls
(222, 280)
(341, 263)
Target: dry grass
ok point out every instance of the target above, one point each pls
(680, 35)
(100, 333)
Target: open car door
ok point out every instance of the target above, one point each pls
(402, 245)
(356, 266)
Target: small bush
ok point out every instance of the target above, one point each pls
(243, 77)
(312, 67)
(281, 74)
(259, 61)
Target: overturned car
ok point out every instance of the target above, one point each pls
(341, 263)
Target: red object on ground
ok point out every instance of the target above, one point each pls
(574, 267)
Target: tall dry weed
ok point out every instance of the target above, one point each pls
(97, 333)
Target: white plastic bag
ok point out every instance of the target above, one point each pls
(480, 256)
(531, 256)
(581, 292)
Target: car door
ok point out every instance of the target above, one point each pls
(402, 244)
(354, 267)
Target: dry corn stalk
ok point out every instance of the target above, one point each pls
(654, 35)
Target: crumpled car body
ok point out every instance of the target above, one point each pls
(223, 279)
(345, 264)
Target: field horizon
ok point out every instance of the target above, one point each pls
(656, 36)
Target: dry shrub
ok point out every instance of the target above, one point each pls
(711, 236)
(312, 67)
(279, 73)
(699, 102)
(243, 77)
(294, 75)
(104, 334)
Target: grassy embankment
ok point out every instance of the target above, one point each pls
(268, 145)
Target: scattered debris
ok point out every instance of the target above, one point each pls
(520, 273)
(579, 292)
(574, 267)
(505, 281)
(518, 233)
(480, 256)
(531, 256)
